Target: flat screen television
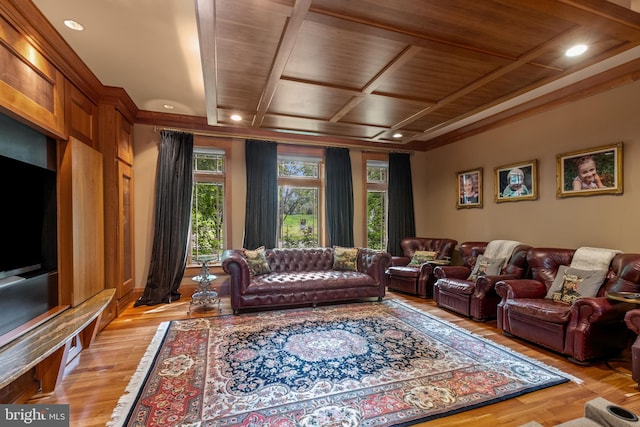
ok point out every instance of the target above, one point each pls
(29, 224)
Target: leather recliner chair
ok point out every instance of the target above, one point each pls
(417, 280)
(591, 328)
(477, 298)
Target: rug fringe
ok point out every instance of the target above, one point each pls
(126, 401)
(502, 347)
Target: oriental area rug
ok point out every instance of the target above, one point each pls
(364, 364)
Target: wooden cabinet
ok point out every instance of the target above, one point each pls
(125, 230)
(124, 140)
(116, 137)
(81, 116)
(81, 222)
(31, 88)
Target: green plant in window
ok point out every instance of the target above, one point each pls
(298, 222)
(376, 231)
(207, 220)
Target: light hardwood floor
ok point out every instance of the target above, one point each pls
(95, 380)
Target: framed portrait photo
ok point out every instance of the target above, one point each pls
(590, 172)
(469, 189)
(516, 182)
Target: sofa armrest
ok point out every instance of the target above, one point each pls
(451, 271)
(520, 288)
(375, 264)
(426, 269)
(236, 266)
(486, 284)
(592, 310)
(596, 328)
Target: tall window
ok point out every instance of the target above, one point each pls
(299, 194)
(377, 172)
(207, 212)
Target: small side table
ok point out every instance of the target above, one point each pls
(633, 354)
(204, 294)
(632, 319)
(630, 297)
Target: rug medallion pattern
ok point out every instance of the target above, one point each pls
(366, 364)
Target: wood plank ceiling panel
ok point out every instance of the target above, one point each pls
(248, 34)
(437, 72)
(339, 57)
(308, 100)
(382, 111)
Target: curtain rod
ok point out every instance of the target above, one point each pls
(291, 141)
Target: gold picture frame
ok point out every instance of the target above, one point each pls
(590, 172)
(516, 182)
(469, 189)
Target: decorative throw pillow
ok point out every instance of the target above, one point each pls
(420, 257)
(571, 284)
(486, 267)
(344, 258)
(257, 261)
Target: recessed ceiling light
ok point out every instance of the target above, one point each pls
(397, 135)
(168, 106)
(576, 50)
(74, 25)
(236, 117)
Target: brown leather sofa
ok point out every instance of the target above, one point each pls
(475, 298)
(591, 328)
(418, 280)
(304, 277)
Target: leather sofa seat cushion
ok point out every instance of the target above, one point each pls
(404, 271)
(307, 280)
(542, 309)
(456, 286)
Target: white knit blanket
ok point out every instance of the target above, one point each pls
(587, 258)
(497, 249)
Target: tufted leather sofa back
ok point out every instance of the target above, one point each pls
(296, 260)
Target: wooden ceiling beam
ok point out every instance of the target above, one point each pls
(289, 37)
(399, 61)
(206, 20)
(405, 56)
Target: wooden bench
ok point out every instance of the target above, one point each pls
(46, 347)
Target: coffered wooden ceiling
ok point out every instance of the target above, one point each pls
(368, 69)
(363, 70)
